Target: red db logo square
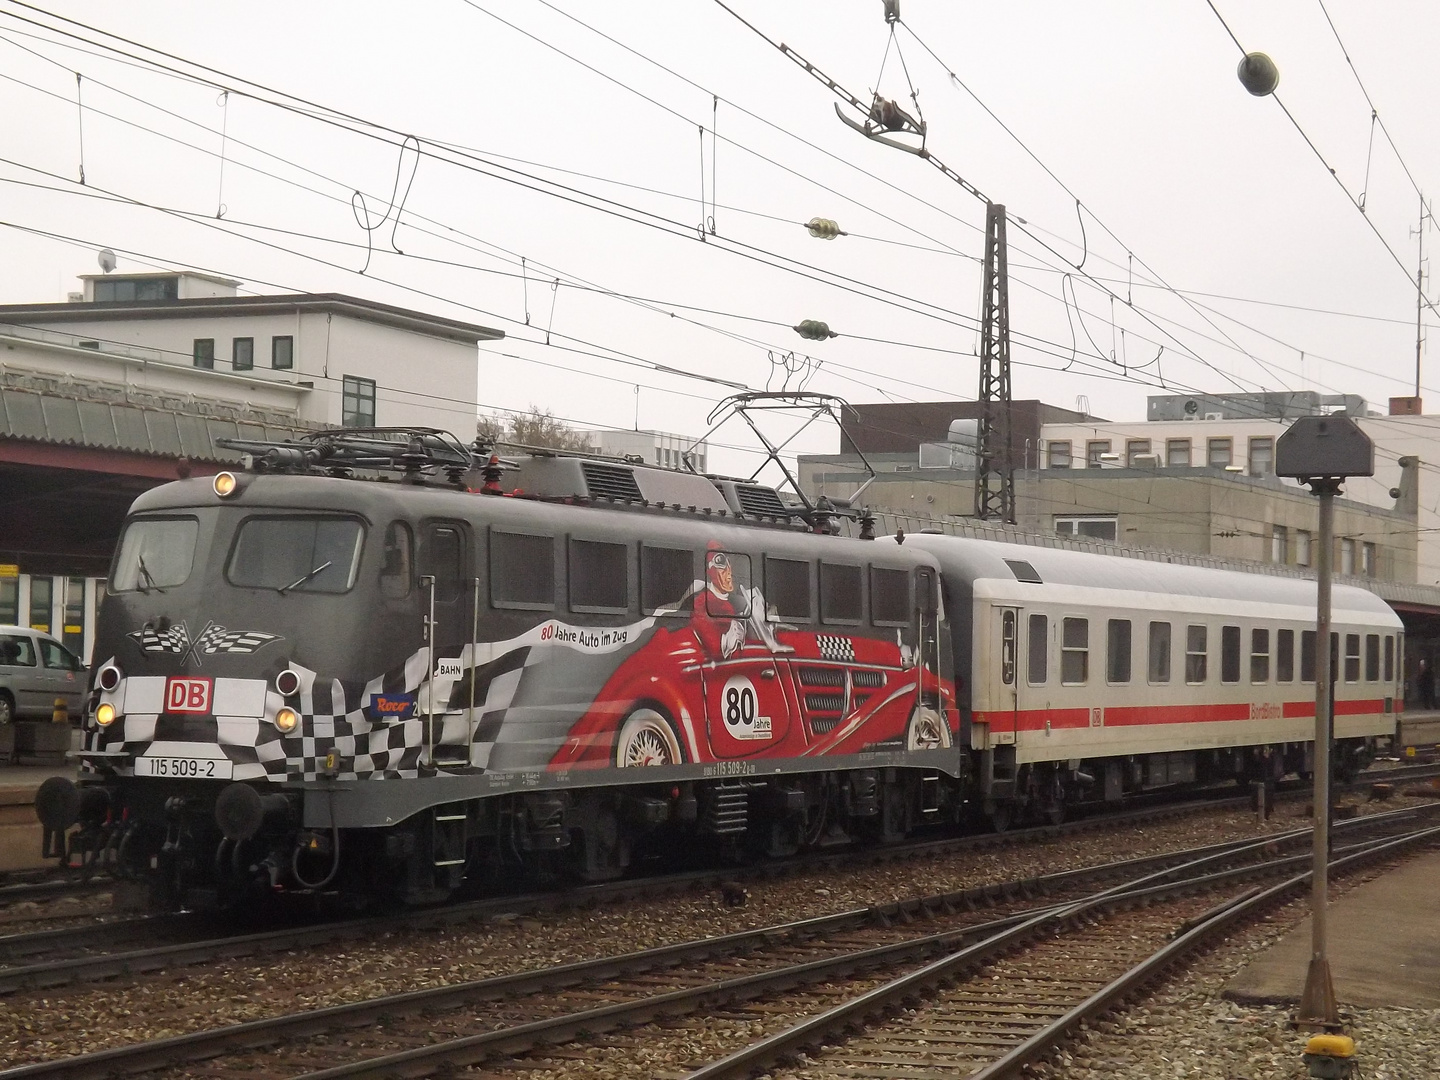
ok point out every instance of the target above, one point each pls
(187, 695)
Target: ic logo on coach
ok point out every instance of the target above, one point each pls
(190, 695)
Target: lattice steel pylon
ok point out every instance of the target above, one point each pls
(994, 457)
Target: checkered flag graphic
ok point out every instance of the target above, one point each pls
(217, 639)
(834, 647)
(174, 639)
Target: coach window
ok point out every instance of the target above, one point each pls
(1007, 647)
(1197, 655)
(397, 562)
(599, 576)
(522, 570)
(840, 587)
(787, 589)
(1389, 658)
(1284, 655)
(1372, 657)
(667, 576)
(1352, 657)
(728, 591)
(1229, 654)
(1038, 668)
(1075, 652)
(1117, 654)
(1307, 655)
(1259, 656)
(889, 597)
(1159, 652)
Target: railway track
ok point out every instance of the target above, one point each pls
(535, 1009)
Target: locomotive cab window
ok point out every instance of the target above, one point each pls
(667, 577)
(889, 597)
(397, 561)
(1352, 657)
(1307, 655)
(1075, 651)
(727, 589)
(787, 590)
(1159, 652)
(1259, 656)
(1037, 669)
(599, 576)
(296, 554)
(1229, 654)
(522, 570)
(1372, 657)
(1284, 655)
(840, 593)
(155, 553)
(1117, 668)
(1197, 654)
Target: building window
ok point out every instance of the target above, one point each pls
(1259, 656)
(1279, 537)
(1038, 669)
(1367, 559)
(1347, 556)
(1262, 456)
(1196, 656)
(1097, 528)
(358, 402)
(1057, 455)
(242, 354)
(1302, 547)
(109, 290)
(1075, 652)
(1134, 450)
(1217, 453)
(1284, 655)
(1159, 652)
(1118, 655)
(282, 353)
(203, 353)
(1094, 450)
(1177, 453)
(1229, 654)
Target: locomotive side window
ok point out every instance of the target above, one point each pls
(155, 553)
(1307, 655)
(840, 593)
(889, 597)
(1284, 655)
(397, 562)
(599, 576)
(1259, 656)
(1389, 658)
(1038, 668)
(1229, 654)
(1007, 647)
(1159, 652)
(1075, 651)
(787, 589)
(1117, 669)
(298, 554)
(522, 570)
(1197, 654)
(728, 584)
(667, 577)
(1372, 657)
(1352, 657)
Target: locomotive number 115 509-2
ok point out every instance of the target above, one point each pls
(184, 767)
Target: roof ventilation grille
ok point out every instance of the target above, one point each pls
(606, 481)
(760, 501)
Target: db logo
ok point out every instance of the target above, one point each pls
(187, 695)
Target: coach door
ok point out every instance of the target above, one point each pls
(1003, 678)
(448, 594)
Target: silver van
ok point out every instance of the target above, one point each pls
(35, 669)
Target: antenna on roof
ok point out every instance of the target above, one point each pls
(107, 260)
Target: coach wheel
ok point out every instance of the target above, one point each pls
(927, 730)
(1001, 817)
(646, 738)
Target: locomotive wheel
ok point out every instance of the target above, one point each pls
(646, 738)
(927, 730)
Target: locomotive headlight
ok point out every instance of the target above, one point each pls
(105, 714)
(225, 484)
(287, 720)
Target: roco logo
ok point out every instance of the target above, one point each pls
(191, 695)
(392, 706)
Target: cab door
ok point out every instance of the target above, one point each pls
(447, 593)
(1003, 678)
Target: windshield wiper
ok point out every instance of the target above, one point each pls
(301, 580)
(145, 571)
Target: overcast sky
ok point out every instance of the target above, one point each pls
(1134, 106)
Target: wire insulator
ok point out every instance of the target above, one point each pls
(824, 228)
(815, 330)
(892, 11)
